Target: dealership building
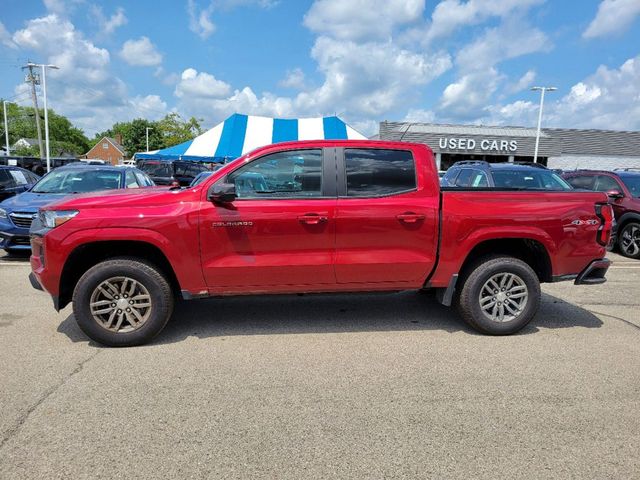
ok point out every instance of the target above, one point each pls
(558, 148)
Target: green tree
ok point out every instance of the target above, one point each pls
(63, 136)
(175, 130)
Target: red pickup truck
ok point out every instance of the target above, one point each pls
(315, 216)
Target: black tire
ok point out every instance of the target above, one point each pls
(630, 232)
(468, 300)
(147, 275)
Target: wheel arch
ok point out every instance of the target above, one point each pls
(530, 251)
(86, 255)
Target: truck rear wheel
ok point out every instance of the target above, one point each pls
(500, 295)
(122, 302)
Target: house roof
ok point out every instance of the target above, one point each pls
(31, 141)
(113, 142)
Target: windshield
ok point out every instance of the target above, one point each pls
(537, 179)
(632, 183)
(156, 169)
(67, 180)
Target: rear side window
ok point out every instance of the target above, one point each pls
(6, 180)
(464, 179)
(378, 172)
(582, 182)
(130, 179)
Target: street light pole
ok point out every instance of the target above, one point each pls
(542, 92)
(46, 114)
(147, 129)
(6, 126)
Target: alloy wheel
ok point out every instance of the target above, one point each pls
(503, 297)
(120, 304)
(630, 242)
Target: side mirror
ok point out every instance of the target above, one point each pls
(222, 193)
(615, 194)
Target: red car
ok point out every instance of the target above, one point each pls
(315, 216)
(623, 188)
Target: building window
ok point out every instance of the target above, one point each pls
(105, 145)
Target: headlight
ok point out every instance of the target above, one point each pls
(3, 213)
(55, 218)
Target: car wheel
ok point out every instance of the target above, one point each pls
(499, 296)
(122, 302)
(629, 240)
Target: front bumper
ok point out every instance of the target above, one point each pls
(594, 273)
(12, 237)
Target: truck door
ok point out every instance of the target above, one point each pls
(386, 219)
(280, 230)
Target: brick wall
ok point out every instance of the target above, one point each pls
(110, 154)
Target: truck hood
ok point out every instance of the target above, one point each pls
(120, 198)
(30, 202)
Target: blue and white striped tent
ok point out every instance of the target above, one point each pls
(240, 134)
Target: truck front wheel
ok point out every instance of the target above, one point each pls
(122, 302)
(499, 296)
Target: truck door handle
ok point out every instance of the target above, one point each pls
(312, 219)
(410, 217)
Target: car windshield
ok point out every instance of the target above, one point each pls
(632, 183)
(65, 180)
(534, 179)
(156, 169)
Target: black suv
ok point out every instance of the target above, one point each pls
(172, 172)
(517, 176)
(14, 180)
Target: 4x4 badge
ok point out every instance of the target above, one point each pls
(585, 222)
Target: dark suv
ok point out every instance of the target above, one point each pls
(517, 176)
(171, 172)
(14, 180)
(623, 188)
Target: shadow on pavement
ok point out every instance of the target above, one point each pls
(330, 313)
(18, 257)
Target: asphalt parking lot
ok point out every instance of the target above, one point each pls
(363, 386)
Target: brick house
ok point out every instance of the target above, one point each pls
(108, 149)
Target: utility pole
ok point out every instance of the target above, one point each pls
(34, 79)
(147, 129)
(6, 127)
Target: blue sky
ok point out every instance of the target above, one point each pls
(451, 61)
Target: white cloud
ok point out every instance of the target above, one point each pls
(420, 116)
(613, 18)
(61, 7)
(110, 24)
(607, 99)
(470, 94)
(293, 79)
(523, 82)
(450, 15)
(511, 39)
(361, 19)
(5, 37)
(200, 21)
(200, 85)
(140, 53)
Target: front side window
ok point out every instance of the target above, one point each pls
(633, 184)
(378, 172)
(295, 173)
(605, 183)
(130, 179)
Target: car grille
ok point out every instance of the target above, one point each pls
(22, 219)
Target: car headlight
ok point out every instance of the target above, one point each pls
(3, 213)
(55, 218)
